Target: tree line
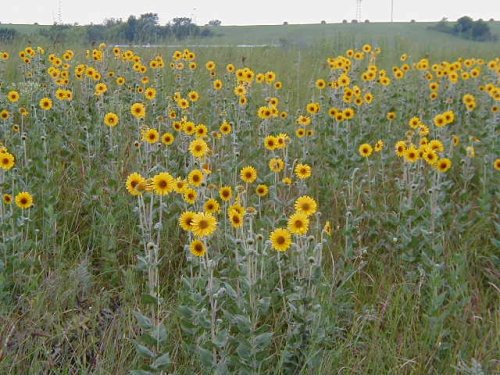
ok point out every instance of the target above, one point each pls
(466, 28)
(143, 29)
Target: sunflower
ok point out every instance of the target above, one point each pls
(180, 185)
(303, 171)
(248, 174)
(281, 239)
(200, 131)
(183, 103)
(7, 160)
(203, 224)
(190, 195)
(13, 96)
(7, 198)
(379, 146)
(225, 128)
(262, 190)
(150, 93)
(211, 206)
(496, 164)
(138, 110)
(100, 89)
(24, 200)
(134, 183)
(198, 248)
(163, 183)
(193, 96)
(442, 165)
(300, 132)
(186, 220)
(225, 193)
(238, 208)
(400, 148)
(167, 138)
(198, 148)
(236, 219)
(45, 104)
(150, 136)
(111, 119)
(436, 145)
(430, 156)
(195, 177)
(298, 223)
(411, 154)
(365, 150)
(306, 205)
(439, 120)
(217, 84)
(270, 142)
(276, 165)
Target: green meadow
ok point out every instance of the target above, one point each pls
(360, 235)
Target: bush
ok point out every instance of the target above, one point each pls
(7, 35)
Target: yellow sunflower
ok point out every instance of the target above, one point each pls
(24, 200)
(203, 224)
(306, 205)
(163, 183)
(248, 174)
(281, 239)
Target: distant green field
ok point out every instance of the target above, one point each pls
(393, 36)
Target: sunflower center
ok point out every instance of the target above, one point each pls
(203, 224)
(280, 240)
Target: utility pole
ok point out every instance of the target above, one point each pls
(358, 10)
(59, 13)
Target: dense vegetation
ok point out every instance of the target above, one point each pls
(304, 209)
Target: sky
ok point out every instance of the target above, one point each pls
(250, 12)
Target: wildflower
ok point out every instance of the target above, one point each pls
(298, 223)
(198, 148)
(281, 239)
(262, 190)
(134, 181)
(163, 183)
(7, 160)
(365, 150)
(306, 205)
(303, 171)
(225, 193)
(198, 248)
(203, 224)
(24, 200)
(111, 119)
(248, 174)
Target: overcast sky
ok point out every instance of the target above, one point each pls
(237, 12)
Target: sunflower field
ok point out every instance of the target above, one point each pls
(194, 212)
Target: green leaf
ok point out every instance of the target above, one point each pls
(144, 322)
(261, 341)
(206, 357)
(244, 350)
(242, 323)
(148, 299)
(140, 372)
(144, 351)
(162, 362)
(159, 333)
(221, 339)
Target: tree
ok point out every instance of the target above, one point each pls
(214, 23)
(463, 26)
(481, 31)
